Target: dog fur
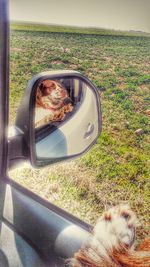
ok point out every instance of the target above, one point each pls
(52, 103)
(112, 242)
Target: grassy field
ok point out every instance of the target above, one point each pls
(70, 29)
(118, 167)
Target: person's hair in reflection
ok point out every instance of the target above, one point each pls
(53, 96)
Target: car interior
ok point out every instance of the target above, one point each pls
(34, 232)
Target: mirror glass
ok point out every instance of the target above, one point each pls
(66, 118)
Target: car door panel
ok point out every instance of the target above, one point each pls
(15, 251)
(44, 229)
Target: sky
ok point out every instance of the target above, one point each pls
(111, 14)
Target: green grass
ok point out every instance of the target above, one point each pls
(117, 168)
(19, 26)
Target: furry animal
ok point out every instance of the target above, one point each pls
(112, 242)
(52, 102)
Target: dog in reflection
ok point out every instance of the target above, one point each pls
(53, 96)
(112, 242)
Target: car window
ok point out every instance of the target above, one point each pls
(117, 62)
(34, 49)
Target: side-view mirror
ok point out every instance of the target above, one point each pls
(60, 116)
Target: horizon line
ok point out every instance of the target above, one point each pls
(77, 26)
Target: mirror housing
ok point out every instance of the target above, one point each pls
(69, 137)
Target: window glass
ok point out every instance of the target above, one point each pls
(63, 35)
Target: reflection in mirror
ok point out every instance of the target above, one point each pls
(66, 118)
(52, 102)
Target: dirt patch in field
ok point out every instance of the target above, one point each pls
(15, 49)
(57, 62)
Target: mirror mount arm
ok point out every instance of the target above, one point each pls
(18, 151)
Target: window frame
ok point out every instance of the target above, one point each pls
(4, 85)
